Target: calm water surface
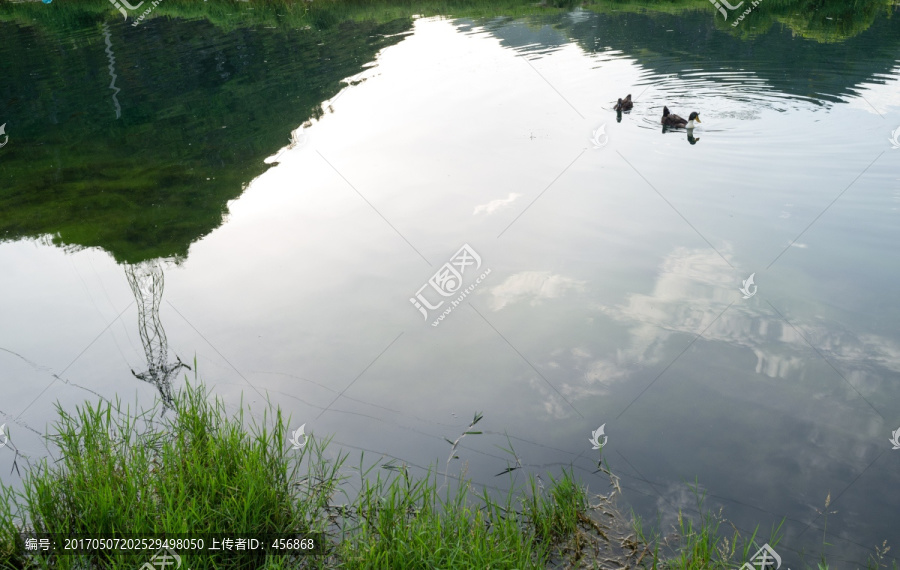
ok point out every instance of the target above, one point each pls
(293, 190)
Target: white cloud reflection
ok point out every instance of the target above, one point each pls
(495, 205)
(693, 288)
(533, 286)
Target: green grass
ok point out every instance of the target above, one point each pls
(704, 543)
(196, 469)
(402, 523)
(556, 517)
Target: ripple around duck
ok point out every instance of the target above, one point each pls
(728, 95)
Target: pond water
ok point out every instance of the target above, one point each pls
(280, 206)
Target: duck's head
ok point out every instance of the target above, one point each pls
(695, 116)
(666, 112)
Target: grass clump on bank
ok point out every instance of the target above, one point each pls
(200, 471)
(196, 471)
(402, 523)
(702, 542)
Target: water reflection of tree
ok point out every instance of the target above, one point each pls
(147, 281)
(153, 199)
(835, 31)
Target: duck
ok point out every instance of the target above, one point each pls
(624, 104)
(673, 120)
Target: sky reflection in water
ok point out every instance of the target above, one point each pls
(606, 264)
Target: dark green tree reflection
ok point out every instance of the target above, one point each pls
(133, 140)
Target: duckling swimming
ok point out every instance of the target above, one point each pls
(624, 104)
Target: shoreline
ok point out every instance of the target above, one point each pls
(206, 472)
